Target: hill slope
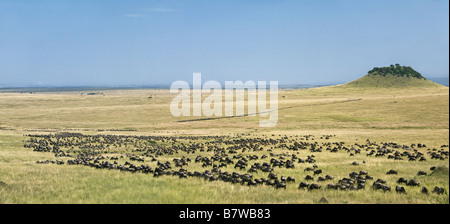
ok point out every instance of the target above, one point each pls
(394, 76)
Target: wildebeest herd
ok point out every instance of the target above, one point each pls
(245, 160)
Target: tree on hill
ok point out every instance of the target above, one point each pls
(396, 70)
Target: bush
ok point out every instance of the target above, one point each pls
(396, 70)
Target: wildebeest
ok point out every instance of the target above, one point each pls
(402, 180)
(400, 189)
(272, 176)
(413, 183)
(217, 152)
(290, 179)
(314, 186)
(360, 186)
(391, 172)
(332, 186)
(309, 169)
(303, 185)
(317, 172)
(380, 181)
(421, 173)
(438, 190)
(280, 185)
(381, 185)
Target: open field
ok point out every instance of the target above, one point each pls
(318, 118)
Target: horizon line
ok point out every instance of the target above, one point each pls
(444, 80)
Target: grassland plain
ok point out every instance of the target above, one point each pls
(350, 114)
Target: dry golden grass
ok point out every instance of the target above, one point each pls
(405, 116)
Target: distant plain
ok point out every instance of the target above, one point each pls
(351, 115)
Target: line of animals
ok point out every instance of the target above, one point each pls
(105, 152)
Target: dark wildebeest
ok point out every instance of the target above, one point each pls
(303, 185)
(391, 172)
(308, 177)
(402, 180)
(400, 189)
(314, 186)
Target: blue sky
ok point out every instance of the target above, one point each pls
(112, 42)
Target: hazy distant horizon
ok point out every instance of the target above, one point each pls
(440, 80)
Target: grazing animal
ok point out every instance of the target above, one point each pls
(303, 185)
(381, 181)
(391, 172)
(272, 176)
(400, 189)
(378, 185)
(402, 180)
(361, 180)
(314, 186)
(363, 172)
(280, 185)
(270, 183)
(421, 173)
(413, 183)
(438, 190)
(251, 183)
(290, 179)
(332, 186)
(91, 150)
(317, 172)
(360, 186)
(353, 175)
(309, 169)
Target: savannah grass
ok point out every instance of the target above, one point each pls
(405, 116)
